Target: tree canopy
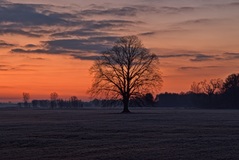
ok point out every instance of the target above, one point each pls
(125, 71)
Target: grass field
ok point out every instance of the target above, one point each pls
(161, 134)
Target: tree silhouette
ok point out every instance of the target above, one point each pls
(231, 89)
(26, 98)
(53, 97)
(212, 87)
(231, 82)
(149, 99)
(196, 88)
(74, 101)
(125, 71)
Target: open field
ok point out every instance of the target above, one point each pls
(162, 134)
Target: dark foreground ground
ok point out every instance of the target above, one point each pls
(104, 134)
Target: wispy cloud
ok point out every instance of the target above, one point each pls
(37, 58)
(202, 57)
(196, 56)
(89, 28)
(79, 33)
(189, 68)
(30, 46)
(193, 56)
(86, 57)
(175, 10)
(190, 55)
(202, 22)
(133, 10)
(93, 44)
(22, 67)
(4, 44)
(18, 32)
(74, 47)
(229, 56)
(4, 68)
(27, 15)
(6, 87)
(124, 11)
(39, 51)
(176, 55)
(185, 68)
(164, 31)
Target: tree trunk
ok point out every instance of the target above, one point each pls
(126, 105)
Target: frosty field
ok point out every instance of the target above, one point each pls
(162, 134)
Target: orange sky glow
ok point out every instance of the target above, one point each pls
(47, 47)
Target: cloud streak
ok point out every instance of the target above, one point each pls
(74, 47)
(203, 57)
(4, 44)
(27, 15)
(229, 56)
(197, 68)
(18, 32)
(22, 67)
(124, 11)
(193, 56)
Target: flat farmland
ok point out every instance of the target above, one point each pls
(161, 134)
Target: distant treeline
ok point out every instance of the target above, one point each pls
(215, 94)
(228, 100)
(198, 100)
(73, 102)
(59, 103)
(54, 102)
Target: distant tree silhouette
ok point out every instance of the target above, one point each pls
(212, 87)
(125, 71)
(214, 94)
(26, 98)
(196, 88)
(74, 101)
(231, 89)
(53, 97)
(149, 99)
(41, 103)
(231, 82)
(61, 103)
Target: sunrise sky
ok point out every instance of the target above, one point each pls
(49, 46)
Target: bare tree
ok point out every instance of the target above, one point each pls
(26, 98)
(53, 97)
(231, 82)
(73, 98)
(212, 87)
(196, 88)
(74, 101)
(231, 89)
(125, 71)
